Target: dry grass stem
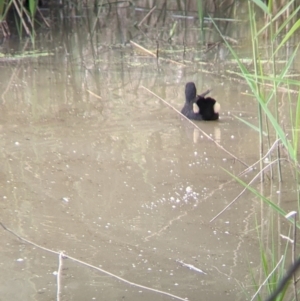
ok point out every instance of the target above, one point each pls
(16, 6)
(250, 168)
(236, 198)
(154, 55)
(92, 93)
(149, 13)
(10, 82)
(283, 282)
(143, 49)
(61, 255)
(44, 19)
(58, 279)
(267, 279)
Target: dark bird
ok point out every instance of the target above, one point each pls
(199, 107)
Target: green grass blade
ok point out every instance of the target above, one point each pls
(2, 3)
(4, 8)
(290, 33)
(284, 24)
(255, 192)
(277, 16)
(200, 13)
(252, 126)
(278, 129)
(262, 5)
(287, 66)
(32, 7)
(296, 128)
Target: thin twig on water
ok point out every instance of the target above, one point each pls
(154, 55)
(92, 93)
(58, 280)
(143, 49)
(64, 255)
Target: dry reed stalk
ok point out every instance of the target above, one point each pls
(21, 17)
(283, 282)
(149, 13)
(64, 255)
(44, 19)
(58, 280)
(261, 159)
(143, 49)
(154, 55)
(267, 279)
(254, 178)
(94, 94)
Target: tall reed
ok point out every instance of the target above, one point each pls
(278, 30)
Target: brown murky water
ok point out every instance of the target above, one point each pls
(122, 182)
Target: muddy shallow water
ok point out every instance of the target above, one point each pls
(123, 183)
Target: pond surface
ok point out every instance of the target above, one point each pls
(95, 166)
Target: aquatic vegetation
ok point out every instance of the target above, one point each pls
(266, 87)
(23, 12)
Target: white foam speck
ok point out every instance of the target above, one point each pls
(188, 189)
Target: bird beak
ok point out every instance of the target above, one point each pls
(217, 107)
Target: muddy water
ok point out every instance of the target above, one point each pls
(122, 182)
